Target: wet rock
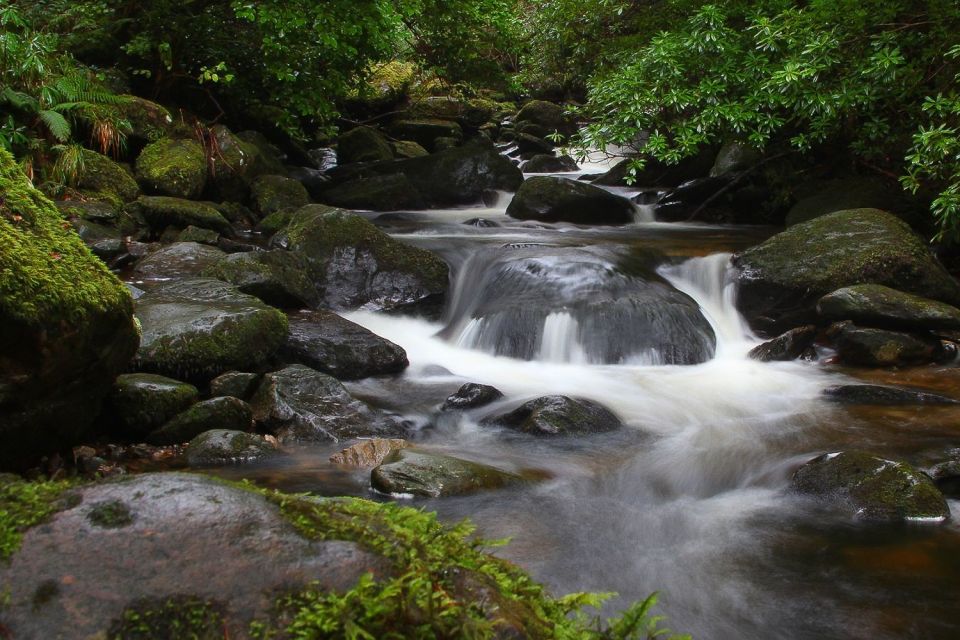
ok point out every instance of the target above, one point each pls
(353, 264)
(102, 175)
(200, 328)
(408, 149)
(548, 115)
(368, 453)
(278, 277)
(377, 193)
(471, 396)
(329, 343)
(272, 193)
(530, 144)
(201, 236)
(237, 384)
(299, 404)
(178, 260)
(551, 199)
(946, 475)
(481, 223)
(735, 157)
(222, 447)
(223, 413)
(871, 487)
(657, 174)
(881, 348)
(782, 279)
(433, 475)
(160, 212)
(548, 163)
(233, 166)
(875, 305)
(105, 242)
(363, 144)
(557, 416)
(141, 402)
(426, 131)
(171, 167)
(789, 346)
(99, 211)
(884, 396)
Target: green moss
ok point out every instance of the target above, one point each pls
(101, 174)
(175, 618)
(149, 120)
(160, 212)
(112, 514)
(24, 505)
(273, 193)
(173, 167)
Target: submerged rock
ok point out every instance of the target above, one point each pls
(223, 446)
(225, 413)
(471, 396)
(433, 475)
(789, 346)
(875, 305)
(882, 348)
(141, 402)
(872, 488)
(884, 396)
(557, 416)
(551, 199)
(368, 453)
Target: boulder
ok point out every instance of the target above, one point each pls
(160, 212)
(99, 211)
(433, 475)
(68, 327)
(408, 149)
(362, 144)
(148, 120)
(101, 175)
(733, 158)
(268, 159)
(353, 264)
(233, 166)
(299, 404)
(875, 305)
(273, 193)
(277, 277)
(871, 487)
(882, 348)
(551, 199)
(426, 131)
(782, 279)
(222, 447)
(528, 144)
(329, 343)
(791, 345)
(178, 260)
(872, 394)
(469, 112)
(196, 234)
(223, 413)
(557, 416)
(142, 402)
(820, 197)
(656, 173)
(548, 115)
(237, 384)
(471, 396)
(367, 454)
(549, 163)
(946, 475)
(170, 167)
(377, 193)
(105, 242)
(200, 328)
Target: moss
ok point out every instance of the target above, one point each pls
(24, 505)
(173, 168)
(101, 174)
(180, 617)
(112, 514)
(160, 212)
(275, 193)
(149, 120)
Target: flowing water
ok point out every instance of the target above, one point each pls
(692, 497)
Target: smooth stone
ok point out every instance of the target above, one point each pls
(471, 396)
(237, 384)
(875, 305)
(222, 447)
(433, 475)
(223, 413)
(178, 260)
(553, 199)
(789, 346)
(557, 416)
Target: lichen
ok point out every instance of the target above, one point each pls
(112, 514)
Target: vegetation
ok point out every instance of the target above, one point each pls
(24, 505)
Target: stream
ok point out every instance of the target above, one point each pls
(692, 498)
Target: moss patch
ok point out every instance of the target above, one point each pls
(173, 168)
(24, 505)
(113, 514)
(101, 174)
(180, 617)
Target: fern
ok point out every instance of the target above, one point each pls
(56, 124)
(19, 100)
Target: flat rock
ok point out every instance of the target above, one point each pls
(872, 394)
(178, 260)
(875, 305)
(420, 473)
(367, 454)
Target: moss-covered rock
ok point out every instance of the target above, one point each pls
(141, 402)
(269, 159)
(160, 212)
(882, 348)
(199, 235)
(171, 167)
(549, 163)
(820, 197)
(100, 173)
(871, 487)
(552, 199)
(378, 193)
(875, 305)
(68, 326)
(420, 473)
(225, 412)
(238, 384)
(548, 115)
(782, 279)
(735, 157)
(272, 193)
(353, 264)
(363, 144)
(200, 328)
(426, 131)
(148, 120)
(790, 345)
(222, 446)
(278, 277)
(408, 149)
(557, 416)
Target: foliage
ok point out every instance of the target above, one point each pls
(180, 617)
(23, 505)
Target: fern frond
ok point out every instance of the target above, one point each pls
(18, 99)
(56, 124)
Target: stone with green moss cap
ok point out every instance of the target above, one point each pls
(875, 305)
(102, 174)
(68, 326)
(376, 193)
(160, 212)
(363, 144)
(225, 412)
(277, 277)
(141, 402)
(173, 168)
(422, 473)
(272, 193)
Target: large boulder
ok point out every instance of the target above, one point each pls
(549, 163)
(200, 328)
(299, 404)
(548, 115)
(334, 345)
(101, 175)
(233, 166)
(148, 120)
(552, 199)
(142, 402)
(277, 277)
(353, 264)
(225, 412)
(426, 131)
(272, 193)
(820, 197)
(68, 326)
(178, 260)
(420, 473)
(171, 167)
(376, 193)
(875, 305)
(782, 279)
(363, 144)
(557, 416)
(160, 212)
(871, 487)
(882, 348)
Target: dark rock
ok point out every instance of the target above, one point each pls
(363, 144)
(223, 447)
(433, 475)
(882, 396)
(224, 413)
(550, 199)
(161, 212)
(557, 416)
(694, 192)
(735, 157)
(200, 328)
(272, 193)
(820, 197)
(299, 404)
(481, 223)
(408, 149)
(277, 277)
(946, 475)
(471, 396)
(234, 383)
(782, 279)
(875, 305)
(882, 348)
(445, 142)
(105, 242)
(178, 260)
(871, 488)
(326, 342)
(141, 402)
(548, 115)
(548, 163)
(172, 167)
(789, 346)
(313, 180)
(377, 193)
(233, 165)
(657, 174)
(201, 236)
(426, 131)
(368, 453)
(99, 211)
(529, 144)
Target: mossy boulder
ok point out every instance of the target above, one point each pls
(171, 167)
(549, 163)
(548, 115)
(141, 402)
(735, 157)
(426, 131)
(233, 166)
(782, 279)
(160, 212)
(199, 328)
(277, 277)
(871, 487)
(334, 345)
(68, 326)
(148, 120)
(223, 446)
(354, 264)
(272, 193)
(469, 112)
(377, 193)
(529, 145)
(408, 149)
(875, 305)
(178, 260)
(557, 416)
(101, 174)
(869, 347)
(225, 413)
(552, 199)
(363, 144)
(432, 475)
(199, 235)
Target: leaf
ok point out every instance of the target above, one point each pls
(56, 124)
